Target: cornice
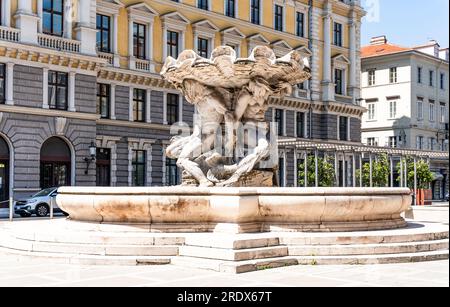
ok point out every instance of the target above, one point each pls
(48, 112)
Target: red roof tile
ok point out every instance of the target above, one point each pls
(375, 50)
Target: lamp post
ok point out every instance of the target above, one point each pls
(91, 158)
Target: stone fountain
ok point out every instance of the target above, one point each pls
(229, 162)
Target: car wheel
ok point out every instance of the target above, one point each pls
(42, 210)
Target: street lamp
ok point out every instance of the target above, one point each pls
(88, 160)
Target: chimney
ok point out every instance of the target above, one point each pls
(378, 40)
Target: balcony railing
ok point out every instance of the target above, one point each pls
(58, 43)
(108, 56)
(143, 65)
(9, 34)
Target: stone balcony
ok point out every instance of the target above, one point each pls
(9, 34)
(108, 56)
(59, 43)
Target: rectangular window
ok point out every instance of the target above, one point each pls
(172, 174)
(393, 142)
(139, 38)
(432, 116)
(392, 109)
(172, 44)
(419, 109)
(278, 18)
(419, 75)
(53, 17)
(139, 99)
(172, 108)
(371, 111)
(279, 119)
(419, 142)
(57, 90)
(103, 33)
(371, 75)
(230, 8)
(431, 78)
(443, 113)
(103, 99)
(372, 142)
(202, 4)
(442, 81)
(338, 34)
(339, 81)
(255, 11)
(300, 24)
(138, 165)
(432, 143)
(393, 75)
(343, 128)
(2, 82)
(203, 48)
(301, 125)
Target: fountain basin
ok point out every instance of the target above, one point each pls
(236, 210)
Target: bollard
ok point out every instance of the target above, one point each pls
(52, 202)
(11, 209)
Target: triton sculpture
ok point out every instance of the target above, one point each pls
(231, 97)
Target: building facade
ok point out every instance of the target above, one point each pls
(82, 74)
(406, 93)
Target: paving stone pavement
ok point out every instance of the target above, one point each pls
(423, 274)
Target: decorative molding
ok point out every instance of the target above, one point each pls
(60, 125)
(48, 112)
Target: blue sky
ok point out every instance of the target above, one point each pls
(406, 22)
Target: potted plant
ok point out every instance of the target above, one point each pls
(424, 177)
(380, 172)
(325, 171)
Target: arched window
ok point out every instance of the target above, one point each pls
(4, 173)
(55, 163)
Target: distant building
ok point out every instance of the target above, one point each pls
(406, 93)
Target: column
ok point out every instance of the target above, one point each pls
(130, 104)
(150, 46)
(306, 169)
(391, 160)
(131, 61)
(71, 94)
(180, 108)
(116, 61)
(316, 166)
(40, 15)
(344, 178)
(327, 86)
(68, 5)
(45, 88)
(371, 168)
(165, 108)
(336, 168)
(148, 106)
(85, 33)
(354, 170)
(401, 171)
(182, 39)
(295, 168)
(415, 181)
(6, 13)
(27, 22)
(352, 42)
(360, 170)
(9, 91)
(112, 102)
(406, 173)
(164, 43)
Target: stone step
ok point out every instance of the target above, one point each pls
(89, 249)
(374, 259)
(368, 249)
(364, 238)
(101, 238)
(270, 263)
(233, 255)
(232, 242)
(232, 266)
(27, 256)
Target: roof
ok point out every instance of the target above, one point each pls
(382, 49)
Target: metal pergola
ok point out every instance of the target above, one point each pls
(359, 151)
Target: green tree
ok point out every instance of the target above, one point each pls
(325, 171)
(424, 174)
(380, 172)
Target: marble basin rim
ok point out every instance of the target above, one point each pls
(193, 209)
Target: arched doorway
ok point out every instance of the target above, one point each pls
(4, 173)
(55, 163)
